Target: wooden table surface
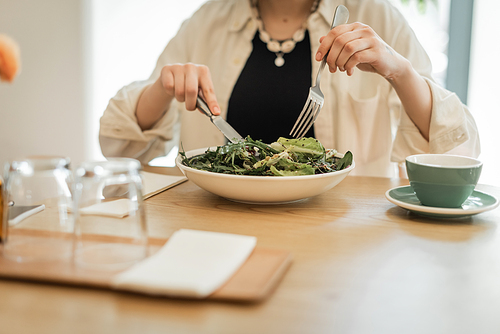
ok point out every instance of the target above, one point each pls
(360, 265)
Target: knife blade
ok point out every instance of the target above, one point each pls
(227, 130)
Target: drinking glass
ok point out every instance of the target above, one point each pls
(36, 203)
(110, 224)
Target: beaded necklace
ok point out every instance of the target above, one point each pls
(280, 47)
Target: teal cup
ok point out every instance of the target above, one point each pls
(443, 180)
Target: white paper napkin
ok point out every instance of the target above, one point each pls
(191, 264)
(154, 183)
(18, 213)
(118, 208)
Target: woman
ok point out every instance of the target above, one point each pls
(253, 62)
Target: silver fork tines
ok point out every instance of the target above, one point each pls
(309, 113)
(315, 100)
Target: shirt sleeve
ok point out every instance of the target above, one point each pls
(452, 127)
(120, 134)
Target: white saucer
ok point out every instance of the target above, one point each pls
(476, 203)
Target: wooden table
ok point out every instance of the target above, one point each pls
(361, 265)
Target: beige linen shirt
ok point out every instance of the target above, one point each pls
(362, 113)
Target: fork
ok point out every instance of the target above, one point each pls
(315, 100)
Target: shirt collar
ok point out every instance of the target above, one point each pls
(242, 13)
(323, 16)
(326, 9)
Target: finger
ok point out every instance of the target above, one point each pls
(332, 69)
(338, 54)
(179, 82)
(207, 88)
(349, 49)
(362, 60)
(327, 41)
(167, 81)
(191, 86)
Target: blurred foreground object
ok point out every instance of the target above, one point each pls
(10, 62)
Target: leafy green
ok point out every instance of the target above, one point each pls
(345, 161)
(285, 157)
(308, 146)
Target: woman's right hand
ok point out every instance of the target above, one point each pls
(182, 82)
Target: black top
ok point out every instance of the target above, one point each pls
(267, 99)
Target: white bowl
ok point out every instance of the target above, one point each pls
(261, 189)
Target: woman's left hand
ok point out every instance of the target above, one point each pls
(358, 45)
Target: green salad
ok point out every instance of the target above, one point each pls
(285, 157)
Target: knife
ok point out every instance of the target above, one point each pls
(224, 127)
